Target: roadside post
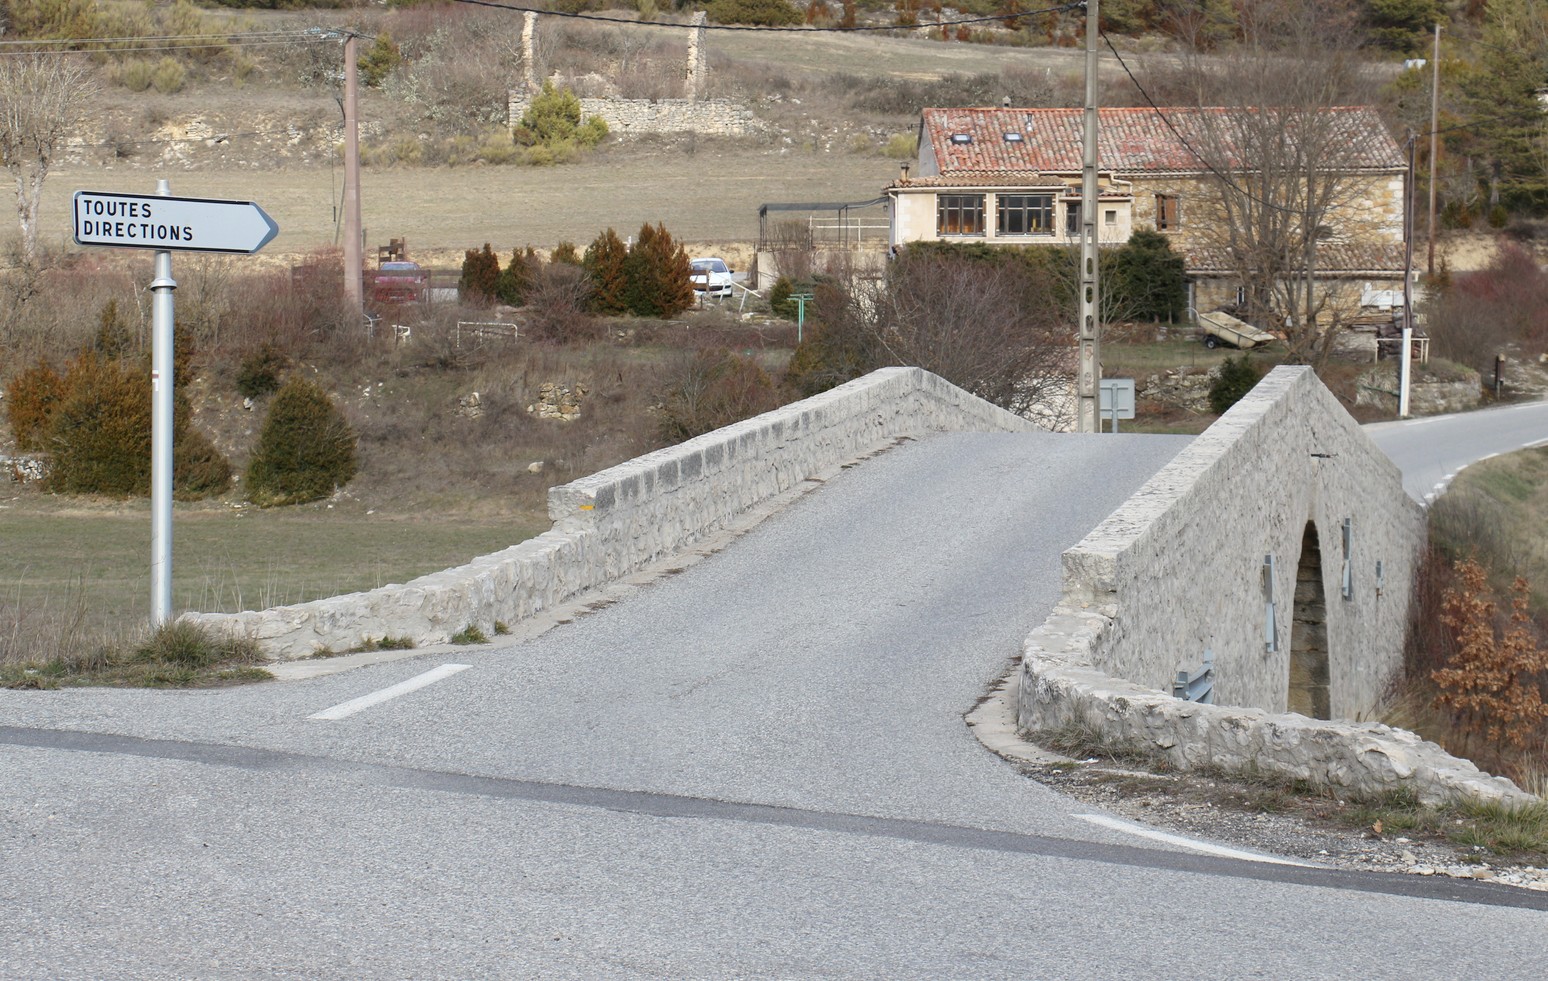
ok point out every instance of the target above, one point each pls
(1117, 396)
(801, 300)
(166, 224)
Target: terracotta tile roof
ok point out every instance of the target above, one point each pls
(1333, 258)
(995, 180)
(1132, 140)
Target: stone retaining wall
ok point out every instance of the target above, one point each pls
(625, 117)
(616, 522)
(1180, 568)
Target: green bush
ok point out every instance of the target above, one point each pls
(1145, 279)
(169, 76)
(565, 253)
(1235, 379)
(260, 370)
(30, 400)
(305, 450)
(480, 282)
(761, 13)
(553, 120)
(606, 262)
(658, 273)
(378, 61)
(136, 75)
(99, 436)
(518, 280)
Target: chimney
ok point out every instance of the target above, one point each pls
(1005, 102)
(903, 176)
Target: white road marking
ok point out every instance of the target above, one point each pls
(1171, 839)
(345, 709)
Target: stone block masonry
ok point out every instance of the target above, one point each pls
(626, 117)
(1180, 568)
(617, 522)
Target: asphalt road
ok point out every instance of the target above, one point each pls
(756, 767)
(1432, 449)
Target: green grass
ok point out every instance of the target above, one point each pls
(178, 655)
(82, 569)
(471, 634)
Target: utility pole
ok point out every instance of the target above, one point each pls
(1089, 328)
(1408, 279)
(1434, 146)
(353, 266)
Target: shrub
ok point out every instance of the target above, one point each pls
(761, 13)
(565, 253)
(606, 262)
(780, 298)
(1146, 279)
(114, 339)
(379, 60)
(711, 389)
(480, 281)
(657, 271)
(519, 278)
(1492, 682)
(169, 76)
(305, 450)
(1235, 379)
(30, 400)
(136, 75)
(553, 120)
(99, 436)
(259, 373)
(556, 306)
(901, 146)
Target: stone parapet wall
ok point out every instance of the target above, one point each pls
(1060, 687)
(614, 523)
(709, 117)
(1179, 568)
(1183, 559)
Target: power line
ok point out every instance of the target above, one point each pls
(800, 29)
(1224, 179)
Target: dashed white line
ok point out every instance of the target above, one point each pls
(1115, 824)
(346, 709)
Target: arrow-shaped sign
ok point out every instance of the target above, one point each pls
(151, 221)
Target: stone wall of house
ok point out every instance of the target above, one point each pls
(708, 117)
(1180, 569)
(617, 522)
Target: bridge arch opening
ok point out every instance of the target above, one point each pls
(1309, 633)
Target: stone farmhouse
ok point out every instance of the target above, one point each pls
(1012, 176)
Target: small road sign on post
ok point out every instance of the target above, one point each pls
(150, 221)
(166, 224)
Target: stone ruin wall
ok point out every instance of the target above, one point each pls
(630, 117)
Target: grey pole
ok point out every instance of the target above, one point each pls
(1089, 330)
(161, 433)
(353, 234)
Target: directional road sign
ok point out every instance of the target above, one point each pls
(151, 221)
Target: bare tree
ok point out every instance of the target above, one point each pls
(995, 326)
(44, 100)
(1286, 153)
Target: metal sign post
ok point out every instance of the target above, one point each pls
(166, 224)
(161, 432)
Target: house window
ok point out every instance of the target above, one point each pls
(1168, 212)
(959, 214)
(1026, 214)
(1072, 219)
(1110, 218)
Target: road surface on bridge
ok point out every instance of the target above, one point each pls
(756, 767)
(1431, 450)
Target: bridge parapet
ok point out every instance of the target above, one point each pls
(619, 521)
(1281, 542)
